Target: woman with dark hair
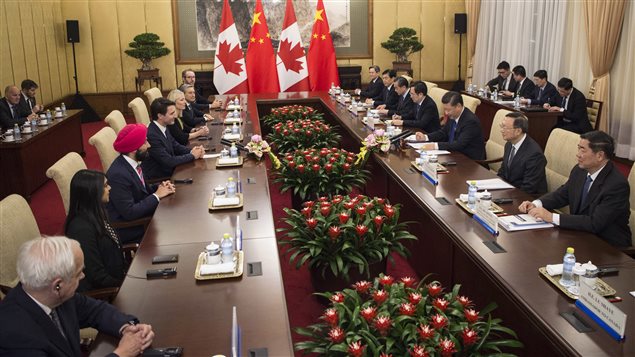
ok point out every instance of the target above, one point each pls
(87, 222)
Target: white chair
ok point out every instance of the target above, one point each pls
(470, 103)
(152, 94)
(495, 145)
(103, 141)
(437, 94)
(115, 120)
(140, 111)
(62, 173)
(561, 150)
(430, 85)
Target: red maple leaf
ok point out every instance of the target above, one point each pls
(229, 58)
(290, 56)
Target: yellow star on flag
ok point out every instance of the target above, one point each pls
(324, 37)
(268, 35)
(318, 15)
(261, 41)
(315, 35)
(256, 18)
(253, 39)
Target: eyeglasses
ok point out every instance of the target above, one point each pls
(503, 127)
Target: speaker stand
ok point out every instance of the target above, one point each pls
(459, 85)
(79, 102)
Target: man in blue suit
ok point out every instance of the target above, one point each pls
(165, 152)
(42, 315)
(375, 86)
(543, 90)
(131, 198)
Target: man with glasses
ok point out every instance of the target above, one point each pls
(189, 77)
(543, 91)
(572, 104)
(523, 161)
(375, 86)
(504, 81)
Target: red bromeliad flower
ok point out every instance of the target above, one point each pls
(469, 336)
(334, 232)
(407, 309)
(380, 296)
(362, 286)
(337, 199)
(386, 280)
(447, 347)
(306, 212)
(441, 304)
(380, 200)
(414, 298)
(463, 300)
(331, 317)
(439, 321)
(292, 164)
(336, 335)
(408, 281)
(389, 211)
(471, 315)
(418, 351)
(361, 230)
(356, 349)
(368, 313)
(349, 204)
(383, 354)
(346, 166)
(378, 221)
(323, 199)
(344, 217)
(301, 168)
(328, 167)
(360, 211)
(434, 289)
(425, 331)
(311, 223)
(315, 168)
(382, 324)
(308, 204)
(325, 210)
(337, 297)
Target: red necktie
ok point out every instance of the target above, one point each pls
(140, 172)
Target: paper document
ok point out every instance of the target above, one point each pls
(433, 152)
(210, 156)
(491, 184)
(521, 222)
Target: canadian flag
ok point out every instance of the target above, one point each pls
(291, 61)
(230, 75)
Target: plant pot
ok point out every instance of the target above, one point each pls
(148, 74)
(399, 66)
(333, 283)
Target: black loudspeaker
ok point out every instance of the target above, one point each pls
(72, 31)
(460, 23)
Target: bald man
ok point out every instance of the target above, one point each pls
(11, 112)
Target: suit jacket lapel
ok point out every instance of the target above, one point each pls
(596, 187)
(134, 176)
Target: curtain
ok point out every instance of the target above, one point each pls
(603, 27)
(622, 93)
(575, 64)
(525, 32)
(473, 9)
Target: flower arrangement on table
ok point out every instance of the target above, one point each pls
(257, 146)
(343, 234)
(302, 134)
(291, 112)
(377, 141)
(319, 172)
(391, 317)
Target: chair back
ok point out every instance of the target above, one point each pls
(561, 150)
(470, 103)
(495, 145)
(140, 111)
(152, 94)
(115, 120)
(103, 141)
(436, 94)
(62, 173)
(430, 85)
(594, 112)
(18, 226)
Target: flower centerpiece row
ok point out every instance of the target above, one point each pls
(389, 317)
(291, 112)
(301, 134)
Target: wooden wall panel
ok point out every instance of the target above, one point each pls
(28, 41)
(159, 21)
(107, 53)
(384, 23)
(42, 53)
(430, 34)
(409, 14)
(15, 41)
(6, 64)
(78, 10)
(131, 19)
(59, 28)
(51, 53)
(451, 48)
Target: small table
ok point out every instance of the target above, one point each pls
(151, 75)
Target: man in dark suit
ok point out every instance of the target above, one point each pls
(543, 90)
(27, 99)
(131, 197)
(462, 132)
(43, 314)
(524, 87)
(523, 161)
(191, 115)
(425, 114)
(10, 110)
(388, 98)
(201, 103)
(165, 152)
(375, 86)
(404, 106)
(572, 104)
(504, 81)
(597, 194)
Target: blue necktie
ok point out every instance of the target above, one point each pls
(452, 130)
(585, 190)
(417, 112)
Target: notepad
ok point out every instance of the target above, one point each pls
(231, 136)
(522, 222)
(433, 152)
(228, 161)
(208, 269)
(490, 184)
(210, 156)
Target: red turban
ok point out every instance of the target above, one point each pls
(130, 138)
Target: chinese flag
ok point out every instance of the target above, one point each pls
(261, 62)
(291, 61)
(321, 57)
(230, 75)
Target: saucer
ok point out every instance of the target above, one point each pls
(7, 141)
(27, 132)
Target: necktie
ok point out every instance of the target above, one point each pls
(140, 172)
(14, 111)
(417, 112)
(505, 84)
(565, 102)
(452, 130)
(512, 153)
(585, 190)
(57, 322)
(540, 93)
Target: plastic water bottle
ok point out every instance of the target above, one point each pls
(236, 101)
(568, 263)
(33, 125)
(235, 129)
(495, 95)
(471, 195)
(233, 150)
(48, 115)
(16, 132)
(63, 107)
(227, 248)
(516, 102)
(231, 188)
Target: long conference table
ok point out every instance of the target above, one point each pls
(197, 315)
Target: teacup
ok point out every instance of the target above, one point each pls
(44, 121)
(59, 114)
(42, 116)
(26, 129)
(374, 111)
(8, 136)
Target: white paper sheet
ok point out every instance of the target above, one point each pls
(491, 184)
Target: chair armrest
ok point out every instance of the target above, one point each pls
(106, 294)
(145, 221)
(129, 250)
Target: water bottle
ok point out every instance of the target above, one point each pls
(471, 195)
(227, 248)
(48, 115)
(16, 132)
(423, 157)
(33, 125)
(236, 101)
(231, 188)
(235, 129)
(516, 102)
(63, 107)
(233, 150)
(495, 95)
(568, 263)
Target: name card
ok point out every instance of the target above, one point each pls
(609, 317)
(430, 172)
(486, 218)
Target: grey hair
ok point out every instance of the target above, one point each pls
(185, 87)
(44, 259)
(174, 93)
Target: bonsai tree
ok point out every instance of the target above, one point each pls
(403, 42)
(146, 47)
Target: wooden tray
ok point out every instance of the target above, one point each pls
(494, 208)
(440, 168)
(236, 273)
(240, 163)
(217, 208)
(601, 287)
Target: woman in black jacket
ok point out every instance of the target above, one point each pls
(87, 222)
(182, 132)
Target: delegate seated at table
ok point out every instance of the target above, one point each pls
(388, 97)
(27, 99)
(375, 86)
(404, 106)
(572, 104)
(425, 114)
(201, 103)
(11, 112)
(543, 90)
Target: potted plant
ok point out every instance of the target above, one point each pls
(343, 238)
(403, 42)
(319, 172)
(290, 112)
(391, 317)
(301, 134)
(146, 47)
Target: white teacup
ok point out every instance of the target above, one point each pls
(59, 114)
(374, 111)
(26, 129)
(44, 121)
(8, 136)
(42, 116)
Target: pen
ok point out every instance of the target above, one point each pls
(520, 218)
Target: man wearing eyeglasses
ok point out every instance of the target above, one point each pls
(504, 81)
(572, 104)
(523, 161)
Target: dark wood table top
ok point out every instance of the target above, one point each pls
(27, 139)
